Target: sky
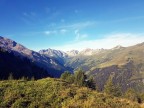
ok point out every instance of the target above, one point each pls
(72, 24)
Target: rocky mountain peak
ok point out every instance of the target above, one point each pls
(7, 42)
(53, 53)
(40, 60)
(117, 47)
(9, 45)
(87, 51)
(72, 53)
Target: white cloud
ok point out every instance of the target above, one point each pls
(79, 36)
(54, 32)
(50, 32)
(110, 41)
(47, 32)
(63, 31)
(76, 31)
(128, 19)
(80, 25)
(29, 14)
(69, 28)
(29, 17)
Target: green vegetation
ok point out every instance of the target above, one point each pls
(132, 95)
(78, 78)
(55, 93)
(67, 76)
(111, 89)
(126, 63)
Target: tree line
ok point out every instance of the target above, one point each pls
(80, 79)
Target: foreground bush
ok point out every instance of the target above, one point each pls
(55, 93)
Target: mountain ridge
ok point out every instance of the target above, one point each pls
(40, 60)
(126, 64)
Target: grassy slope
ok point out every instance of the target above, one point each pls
(55, 93)
(110, 57)
(129, 62)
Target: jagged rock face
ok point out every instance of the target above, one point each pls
(11, 45)
(4, 42)
(60, 54)
(41, 60)
(117, 47)
(72, 53)
(53, 53)
(87, 51)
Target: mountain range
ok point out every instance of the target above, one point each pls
(51, 65)
(124, 64)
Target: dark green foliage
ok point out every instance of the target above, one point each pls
(111, 89)
(80, 78)
(67, 76)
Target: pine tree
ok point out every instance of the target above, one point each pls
(67, 76)
(111, 89)
(80, 78)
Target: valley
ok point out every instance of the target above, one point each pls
(72, 54)
(124, 65)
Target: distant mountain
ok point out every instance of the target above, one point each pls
(58, 55)
(118, 47)
(72, 53)
(19, 67)
(53, 67)
(53, 53)
(87, 51)
(125, 64)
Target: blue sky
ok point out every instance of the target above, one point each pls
(72, 24)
